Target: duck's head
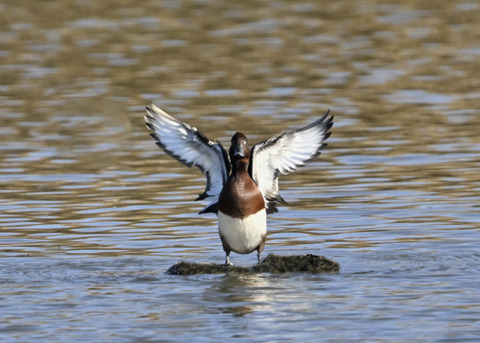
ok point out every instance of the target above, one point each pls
(239, 148)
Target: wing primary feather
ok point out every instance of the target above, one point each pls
(192, 148)
(284, 153)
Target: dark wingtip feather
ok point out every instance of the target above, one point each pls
(201, 196)
(278, 198)
(325, 115)
(272, 208)
(323, 121)
(149, 125)
(213, 208)
(150, 113)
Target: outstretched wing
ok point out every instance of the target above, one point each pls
(190, 147)
(284, 153)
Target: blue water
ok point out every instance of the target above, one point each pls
(92, 214)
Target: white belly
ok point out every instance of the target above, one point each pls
(243, 235)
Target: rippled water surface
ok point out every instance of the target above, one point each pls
(92, 213)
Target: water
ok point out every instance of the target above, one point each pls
(92, 214)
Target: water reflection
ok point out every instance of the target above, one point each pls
(91, 213)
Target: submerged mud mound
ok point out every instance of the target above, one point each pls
(272, 264)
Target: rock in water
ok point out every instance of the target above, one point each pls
(272, 264)
(191, 268)
(303, 263)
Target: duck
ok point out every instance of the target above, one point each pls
(241, 185)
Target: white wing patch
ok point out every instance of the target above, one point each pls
(284, 153)
(190, 147)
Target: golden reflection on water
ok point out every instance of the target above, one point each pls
(101, 212)
(75, 77)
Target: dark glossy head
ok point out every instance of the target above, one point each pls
(239, 148)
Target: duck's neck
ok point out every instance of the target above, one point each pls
(240, 166)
